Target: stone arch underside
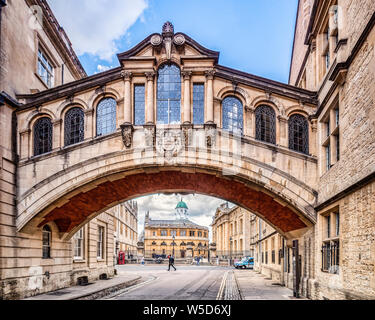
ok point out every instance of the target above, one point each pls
(88, 201)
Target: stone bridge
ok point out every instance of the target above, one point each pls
(247, 148)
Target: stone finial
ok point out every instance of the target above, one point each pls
(168, 29)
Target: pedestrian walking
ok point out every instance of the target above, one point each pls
(171, 262)
(143, 261)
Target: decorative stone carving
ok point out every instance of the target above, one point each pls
(210, 74)
(101, 89)
(168, 29)
(211, 132)
(186, 74)
(149, 130)
(187, 133)
(169, 143)
(126, 75)
(150, 75)
(127, 130)
(156, 40)
(179, 40)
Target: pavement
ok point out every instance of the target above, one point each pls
(92, 291)
(255, 286)
(189, 282)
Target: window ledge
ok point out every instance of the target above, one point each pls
(79, 260)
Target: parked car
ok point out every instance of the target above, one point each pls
(246, 262)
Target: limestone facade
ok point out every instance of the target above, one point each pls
(292, 186)
(125, 221)
(231, 232)
(180, 237)
(334, 55)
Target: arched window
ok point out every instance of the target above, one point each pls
(265, 124)
(169, 95)
(232, 115)
(298, 133)
(74, 126)
(106, 116)
(42, 136)
(47, 239)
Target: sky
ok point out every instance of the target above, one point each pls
(255, 36)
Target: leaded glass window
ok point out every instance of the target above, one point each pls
(198, 103)
(42, 136)
(169, 95)
(139, 104)
(74, 126)
(298, 133)
(265, 124)
(46, 239)
(106, 117)
(232, 115)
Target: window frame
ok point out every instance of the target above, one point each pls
(143, 106)
(265, 114)
(105, 116)
(36, 132)
(302, 132)
(68, 124)
(45, 61)
(79, 238)
(169, 99)
(100, 243)
(240, 115)
(198, 102)
(46, 248)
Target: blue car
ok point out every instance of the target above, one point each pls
(246, 262)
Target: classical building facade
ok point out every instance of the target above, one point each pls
(267, 247)
(180, 237)
(35, 56)
(170, 118)
(334, 56)
(231, 232)
(125, 221)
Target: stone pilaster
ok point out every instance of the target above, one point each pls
(127, 96)
(150, 118)
(187, 107)
(210, 95)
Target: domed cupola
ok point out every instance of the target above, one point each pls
(182, 210)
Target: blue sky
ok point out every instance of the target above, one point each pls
(254, 36)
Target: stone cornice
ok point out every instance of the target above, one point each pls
(267, 85)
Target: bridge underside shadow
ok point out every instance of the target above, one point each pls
(84, 206)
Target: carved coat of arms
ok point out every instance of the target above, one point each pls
(169, 143)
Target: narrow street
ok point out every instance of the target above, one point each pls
(196, 283)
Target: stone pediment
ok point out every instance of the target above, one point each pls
(168, 44)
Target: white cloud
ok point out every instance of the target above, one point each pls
(101, 68)
(94, 25)
(201, 208)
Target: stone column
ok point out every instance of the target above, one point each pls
(127, 97)
(150, 98)
(89, 128)
(26, 144)
(56, 134)
(210, 96)
(187, 106)
(282, 132)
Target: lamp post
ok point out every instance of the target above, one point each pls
(230, 250)
(173, 245)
